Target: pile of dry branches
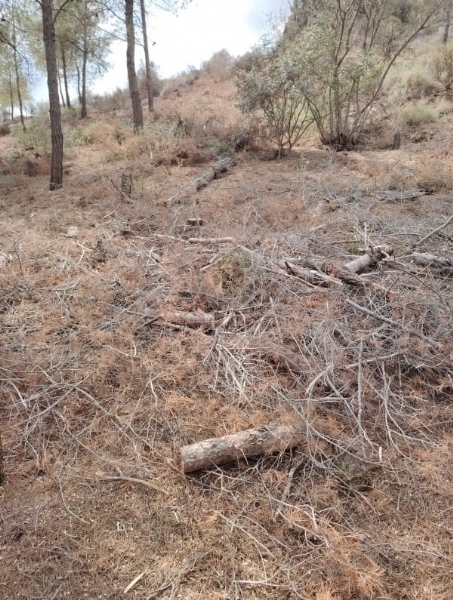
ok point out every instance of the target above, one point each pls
(123, 346)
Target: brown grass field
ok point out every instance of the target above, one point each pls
(100, 383)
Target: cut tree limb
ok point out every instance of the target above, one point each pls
(425, 259)
(253, 442)
(217, 168)
(198, 319)
(370, 259)
(308, 275)
(431, 233)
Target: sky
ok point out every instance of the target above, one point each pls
(194, 35)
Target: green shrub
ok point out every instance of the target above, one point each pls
(443, 67)
(270, 83)
(219, 64)
(420, 86)
(418, 115)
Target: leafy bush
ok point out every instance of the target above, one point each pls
(333, 65)
(219, 64)
(270, 83)
(420, 86)
(443, 67)
(37, 135)
(418, 115)
(184, 79)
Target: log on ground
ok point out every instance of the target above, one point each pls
(370, 259)
(226, 449)
(198, 319)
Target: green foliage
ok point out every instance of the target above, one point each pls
(443, 67)
(37, 135)
(418, 115)
(270, 83)
(420, 86)
(15, 67)
(219, 64)
(332, 61)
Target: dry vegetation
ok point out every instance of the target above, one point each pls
(101, 383)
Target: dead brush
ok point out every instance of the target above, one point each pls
(100, 386)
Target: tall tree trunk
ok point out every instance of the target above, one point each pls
(79, 85)
(447, 22)
(149, 80)
(60, 88)
(11, 95)
(83, 110)
(65, 75)
(56, 133)
(131, 72)
(16, 72)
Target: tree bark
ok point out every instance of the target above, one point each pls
(253, 442)
(11, 95)
(447, 23)
(65, 75)
(131, 72)
(370, 259)
(56, 133)
(83, 110)
(148, 75)
(16, 71)
(79, 85)
(60, 87)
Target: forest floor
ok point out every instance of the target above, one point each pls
(103, 376)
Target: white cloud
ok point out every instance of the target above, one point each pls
(192, 37)
(260, 10)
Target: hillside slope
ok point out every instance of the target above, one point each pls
(103, 379)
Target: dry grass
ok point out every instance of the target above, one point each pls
(97, 396)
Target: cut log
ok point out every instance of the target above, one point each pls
(217, 168)
(253, 442)
(425, 259)
(199, 319)
(370, 259)
(193, 222)
(310, 275)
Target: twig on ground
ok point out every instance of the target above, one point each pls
(433, 232)
(289, 483)
(148, 484)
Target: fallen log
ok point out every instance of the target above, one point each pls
(216, 169)
(370, 259)
(310, 275)
(226, 449)
(425, 259)
(198, 319)
(194, 221)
